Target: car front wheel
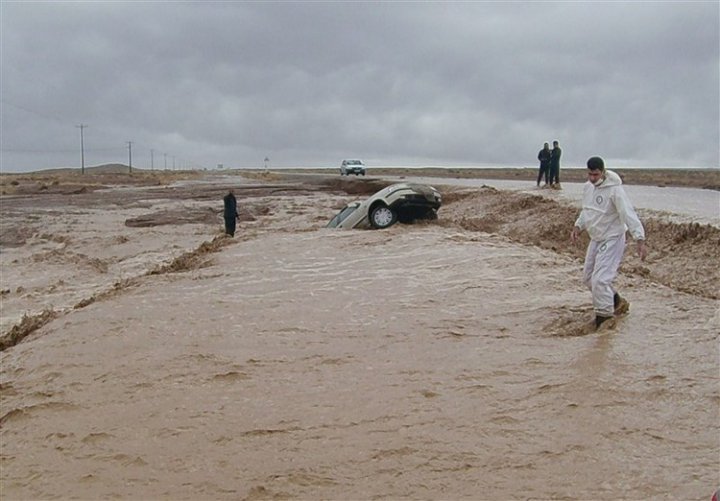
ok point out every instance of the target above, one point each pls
(382, 217)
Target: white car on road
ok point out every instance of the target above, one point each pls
(352, 167)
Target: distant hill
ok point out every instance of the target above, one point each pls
(111, 169)
(98, 169)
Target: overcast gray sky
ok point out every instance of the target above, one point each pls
(307, 84)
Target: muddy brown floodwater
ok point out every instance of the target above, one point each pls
(147, 356)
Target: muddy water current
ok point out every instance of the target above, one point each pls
(425, 361)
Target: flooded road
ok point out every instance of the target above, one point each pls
(426, 361)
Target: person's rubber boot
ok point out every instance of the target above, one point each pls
(621, 304)
(599, 320)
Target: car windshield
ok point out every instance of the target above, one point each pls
(341, 216)
(354, 162)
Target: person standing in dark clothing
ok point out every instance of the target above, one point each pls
(544, 157)
(555, 155)
(230, 213)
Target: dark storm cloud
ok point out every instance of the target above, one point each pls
(395, 83)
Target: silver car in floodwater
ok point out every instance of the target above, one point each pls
(402, 202)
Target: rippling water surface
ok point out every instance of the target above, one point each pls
(421, 362)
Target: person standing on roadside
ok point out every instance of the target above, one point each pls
(555, 155)
(606, 215)
(230, 213)
(544, 157)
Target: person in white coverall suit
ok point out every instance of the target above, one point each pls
(606, 215)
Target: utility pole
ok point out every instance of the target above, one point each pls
(129, 143)
(152, 159)
(173, 163)
(165, 155)
(82, 148)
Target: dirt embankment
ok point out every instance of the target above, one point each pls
(681, 256)
(686, 178)
(75, 183)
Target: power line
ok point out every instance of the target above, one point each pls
(34, 112)
(22, 150)
(83, 150)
